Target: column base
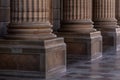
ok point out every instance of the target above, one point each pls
(83, 46)
(111, 39)
(36, 59)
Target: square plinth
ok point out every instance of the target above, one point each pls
(111, 39)
(36, 59)
(83, 46)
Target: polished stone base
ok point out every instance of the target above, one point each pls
(83, 46)
(111, 39)
(37, 59)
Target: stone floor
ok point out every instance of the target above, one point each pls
(106, 68)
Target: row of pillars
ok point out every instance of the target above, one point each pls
(76, 17)
(31, 20)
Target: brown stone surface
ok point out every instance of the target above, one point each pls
(4, 14)
(77, 29)
(104, 18)
(44, 59)
(83, 46)
(4, 10)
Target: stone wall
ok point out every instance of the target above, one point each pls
(56, 13)
(4, 15)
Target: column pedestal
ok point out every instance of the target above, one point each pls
(111, 39)
(83, 46)
(83, 41)
(111, 36)
(32, 58)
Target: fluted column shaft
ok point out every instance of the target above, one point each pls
(76, 15)
(118, 11)
(30, 11)
(104, 13)
(75, 10)
(30, 18)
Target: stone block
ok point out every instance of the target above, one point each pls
(83, 46)
(111, 39)
(45, 59)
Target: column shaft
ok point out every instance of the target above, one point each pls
(28, 11)
(104, 13)
(76, 16)
(76, 10)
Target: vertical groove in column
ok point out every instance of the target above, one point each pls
(40, 9)
(69, 8)
(81, 9)
(105, 9)
(37, 10)
(45, 10)
(27, 10)
(33, 10)
(22, 10)
(12, 10)
(86, 9)
(18, 17)
(108, 8)
(68, 16)
(74, 11)
(30, 11)
(78, 11)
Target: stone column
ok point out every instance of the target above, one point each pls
(77, 28)
(105, 21)
(4, 16)
(30, 20)
(30, 48)
(118, 11)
